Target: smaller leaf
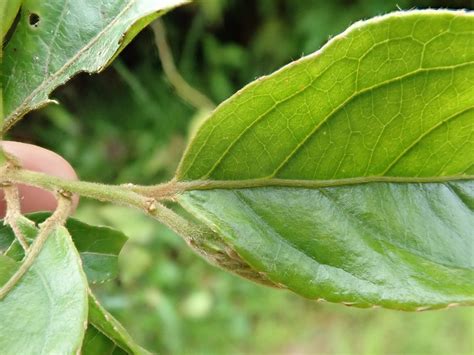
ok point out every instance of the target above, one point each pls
(46, 311)
(111, 328)
(98, 246)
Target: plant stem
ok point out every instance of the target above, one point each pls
(58, 218)
(12, 197)
(118, 194)
(183, 89)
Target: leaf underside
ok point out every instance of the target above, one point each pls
(365, 245)
(348, 174)
(47, 309)
(55, 40)
(94, 244)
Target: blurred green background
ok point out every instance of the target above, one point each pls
(128, 125)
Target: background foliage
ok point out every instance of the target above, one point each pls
(127, 125)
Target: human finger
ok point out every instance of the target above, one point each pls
(42, 160)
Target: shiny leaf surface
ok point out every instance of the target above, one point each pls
(348, 175)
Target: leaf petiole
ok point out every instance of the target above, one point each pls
(58, 218)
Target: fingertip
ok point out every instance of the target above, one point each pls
(39, 159)
(33, 157)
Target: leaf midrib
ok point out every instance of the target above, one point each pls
(176, 187)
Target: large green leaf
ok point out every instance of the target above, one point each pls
(98, 246)
(348, 175)
(56, 39)
(46, 311)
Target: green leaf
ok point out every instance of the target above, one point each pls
(111, 328)
(46, 311)
(348, 175)
(55, 40)
(98, 246)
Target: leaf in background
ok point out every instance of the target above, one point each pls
(348, 174)
(111, 328)
(55, 40)
(47, 309)
(98, 246)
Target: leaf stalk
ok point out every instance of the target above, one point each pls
(58, 218)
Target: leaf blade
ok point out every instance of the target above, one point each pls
(249, 124)
(49, 304)
(327, 175)
(56, 45)
(341, 252)
(98, 246)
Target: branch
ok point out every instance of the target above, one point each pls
(186, 91)
(58, 218)
(13, 215)
(118, 194)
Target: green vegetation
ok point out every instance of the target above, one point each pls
(309, 174)
(127, 125)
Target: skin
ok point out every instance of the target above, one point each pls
(42, 160)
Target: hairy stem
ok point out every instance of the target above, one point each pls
(146, 198)
(58, 218)
(12, 197)
(118, 194)
(143, 196)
